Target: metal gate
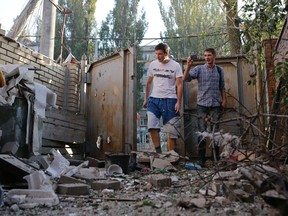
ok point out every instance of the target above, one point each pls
(111, 104)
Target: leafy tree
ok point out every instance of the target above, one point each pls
(78, 27)
(193, 25)
(122, 28)
(261, 19)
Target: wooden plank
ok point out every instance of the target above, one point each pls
(46, 151)
(58, 144)
(64, 148)
(63, 151)
(67, 116)
(57, 122)
(64, 134)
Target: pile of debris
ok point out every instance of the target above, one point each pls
(152, 184)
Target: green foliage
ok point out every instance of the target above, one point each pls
(122, 27)
(261, 19)
(147, 202)
(79, 26)
(193, 25)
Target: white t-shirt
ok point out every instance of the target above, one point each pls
(164, 78)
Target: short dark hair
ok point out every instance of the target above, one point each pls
(212, 50)
(162, 46)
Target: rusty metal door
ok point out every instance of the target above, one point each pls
(111, 103)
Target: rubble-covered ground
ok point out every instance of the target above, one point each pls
(215, 191)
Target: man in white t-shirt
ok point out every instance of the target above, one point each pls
(165, 80)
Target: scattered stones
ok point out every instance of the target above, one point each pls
(89, 191)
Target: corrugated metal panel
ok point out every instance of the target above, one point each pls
(111, 103)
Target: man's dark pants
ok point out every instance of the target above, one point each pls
(206, 115)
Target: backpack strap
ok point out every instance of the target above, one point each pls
(220, 75)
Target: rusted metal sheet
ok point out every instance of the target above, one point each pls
(111, 104)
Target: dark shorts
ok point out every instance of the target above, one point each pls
(165, 108)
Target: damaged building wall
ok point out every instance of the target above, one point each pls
(64, 80)
(48, 73)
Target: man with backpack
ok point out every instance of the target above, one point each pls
(211, 97)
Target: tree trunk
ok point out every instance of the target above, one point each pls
(232, 25)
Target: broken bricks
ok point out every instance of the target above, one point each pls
(159, 180)
(73, 189)
(106, 184)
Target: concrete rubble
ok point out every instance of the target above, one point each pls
(154, 186)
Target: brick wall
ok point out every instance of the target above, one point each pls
(52, 75)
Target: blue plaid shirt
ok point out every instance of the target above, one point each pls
(209, 94)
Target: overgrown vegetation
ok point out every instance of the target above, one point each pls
(193, 25)
(79, 28)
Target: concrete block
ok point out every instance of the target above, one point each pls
(199, 202)
(91, 173)
(40, 159)
(38, 180)
(159, 180)
(161, 164)
(2, 32)
(10, 147)
(106, 184)
(73, 189)
(40, 197)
